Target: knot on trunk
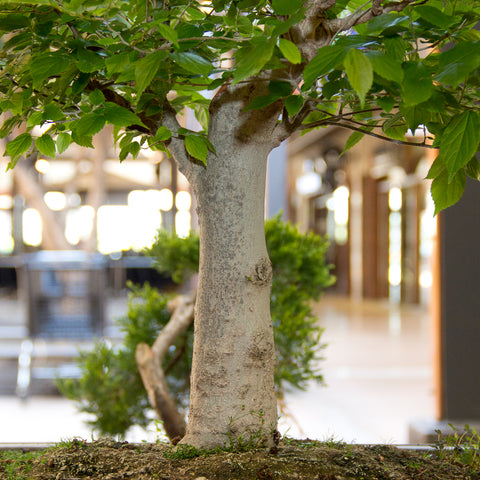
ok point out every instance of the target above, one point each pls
(263, 273)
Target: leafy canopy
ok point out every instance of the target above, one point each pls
(388, 68)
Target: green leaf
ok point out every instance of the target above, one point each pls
(192, 63)
(53, 112)
(118, 63)
(286, 7)
(146, 68)
(437, 168)
(395, 127)
(89, 125)
(293, 104)
(386, 66)
(63, 142)
(17, 147)
(46, 145)
(387, 103)
(119, 116)
(359, 72)
(197, 147)
(417, 86)
(251, 58)
(455, 64)
(168, 33)
(446, 193)
(261, 102)
(163, 134)
(36, 118)
(290, 51)
(460, 141)
(96, 97)
(48, 65)
(326, 59)
(13, 21)
(352, 140)
(473, 169)
(434, 16)
(88, 61)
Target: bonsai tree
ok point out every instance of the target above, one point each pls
(110, 386)
(254, 72)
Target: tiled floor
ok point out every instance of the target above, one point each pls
(377, 370)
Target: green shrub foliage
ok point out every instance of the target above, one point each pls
(111, 388)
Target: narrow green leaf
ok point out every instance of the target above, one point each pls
(17, 147)
(359, 72)
(118, 116)
(168, 33)
(352, 140)
(460, 141)
(46, 145)
(290, 51)
(446, 193)
(192, 63)
(293, 104)
(146, 68)
(326, 59)
(63, 142)
(197, 147)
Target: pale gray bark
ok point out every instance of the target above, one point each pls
(232, 384)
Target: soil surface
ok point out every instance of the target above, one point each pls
(109, 460)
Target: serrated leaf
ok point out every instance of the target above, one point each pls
(437, 168)
(395, 127)
(118, 63)
(17, 147)
(197, 147)
(96, 97)
(63, 142)
(88, 61)
(119, 116)
(352, 140)
(251, 58)
(326, 59)
(168, 33)
(89, 125)
(386, 66)
(460, 141)
(359, 72)
(290, 51)
(163, 134)
(53, 112)
(286, 7)
(434, 16)
(48, 65)
(192, 63)
(146, 68)
(46, 145)
(36, 118)
(446, 193)
(293, 104)
(417, 86)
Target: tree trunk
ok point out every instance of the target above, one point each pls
(232, 382)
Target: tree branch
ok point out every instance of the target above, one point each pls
(149, 362)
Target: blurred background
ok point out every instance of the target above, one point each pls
(72, 229)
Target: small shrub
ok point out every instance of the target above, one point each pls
(111, 388)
